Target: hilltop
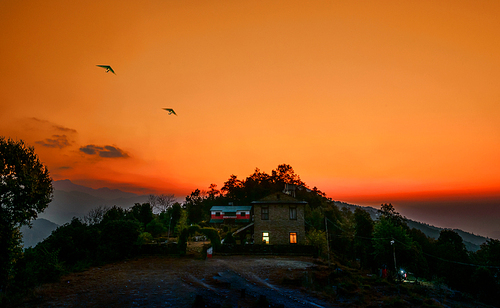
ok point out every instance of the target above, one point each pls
(72, 200)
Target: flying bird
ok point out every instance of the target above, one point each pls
(170, 111)
(108, 68)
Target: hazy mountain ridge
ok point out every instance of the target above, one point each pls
(471, 241)
(72, 200)
(103, 193)
(40, 229)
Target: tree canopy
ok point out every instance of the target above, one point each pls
(25, 190)
(25, 184)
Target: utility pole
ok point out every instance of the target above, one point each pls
(394, 254)
(168, 240)
(327, 241)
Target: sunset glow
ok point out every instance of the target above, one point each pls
(366, 100)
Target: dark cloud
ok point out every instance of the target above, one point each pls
(65, 168)
(57, 141)
(105, 151)
(64, 129)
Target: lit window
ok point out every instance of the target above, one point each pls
(293, 213)
(293, 237)
(265, 213)
(265, 237)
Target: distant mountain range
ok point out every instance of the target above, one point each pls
(72, 200)
(40, 229)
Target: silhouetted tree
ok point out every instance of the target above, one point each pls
(161, 203)
(25, 190)
(118, 238)
(285, 174)
(233, 189)
(213, 192)
(489, 253)
(194, 207)
(388, 211)
(391, 240)
(114, 213)
(155, 228)
(485, 285)
(314, 219)
(95, 215)
(363, 231)
(452, 253)
(141, 212)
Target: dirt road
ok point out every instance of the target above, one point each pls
(222, 281)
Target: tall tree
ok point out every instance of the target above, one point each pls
(285, 174)
(391, 244)
(142, 213)
(194, 207)
(25, 190)
(364, 234)
(213, 192)
(233, 188)
(161, 203)
(453, 259)
(388, 211)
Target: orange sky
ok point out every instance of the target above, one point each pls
(362, 98)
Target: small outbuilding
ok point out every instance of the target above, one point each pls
(230, 214)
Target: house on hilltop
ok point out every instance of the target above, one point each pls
(277, 219)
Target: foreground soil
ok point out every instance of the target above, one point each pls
(236, 281)
(233, 281)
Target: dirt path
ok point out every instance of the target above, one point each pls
(236, 281)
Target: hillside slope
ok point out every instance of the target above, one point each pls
(41, 228)
(471, 241)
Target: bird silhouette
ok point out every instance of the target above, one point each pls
(108, 68)
(170, 111)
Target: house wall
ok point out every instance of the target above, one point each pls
(279, 224)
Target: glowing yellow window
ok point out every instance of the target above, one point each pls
(293, 237)
(265, 237)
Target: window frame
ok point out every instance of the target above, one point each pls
(264, 237)
(293, 213)
(264, 213)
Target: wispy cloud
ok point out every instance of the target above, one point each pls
(55, 126)
(57, 141)
(64, 129)
(104, 151)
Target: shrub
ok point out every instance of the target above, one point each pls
(118, 239)
(229, 239)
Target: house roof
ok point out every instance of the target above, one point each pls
(280, 198)
(231, 208)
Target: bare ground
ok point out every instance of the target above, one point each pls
(161, 281)
(228, 281)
